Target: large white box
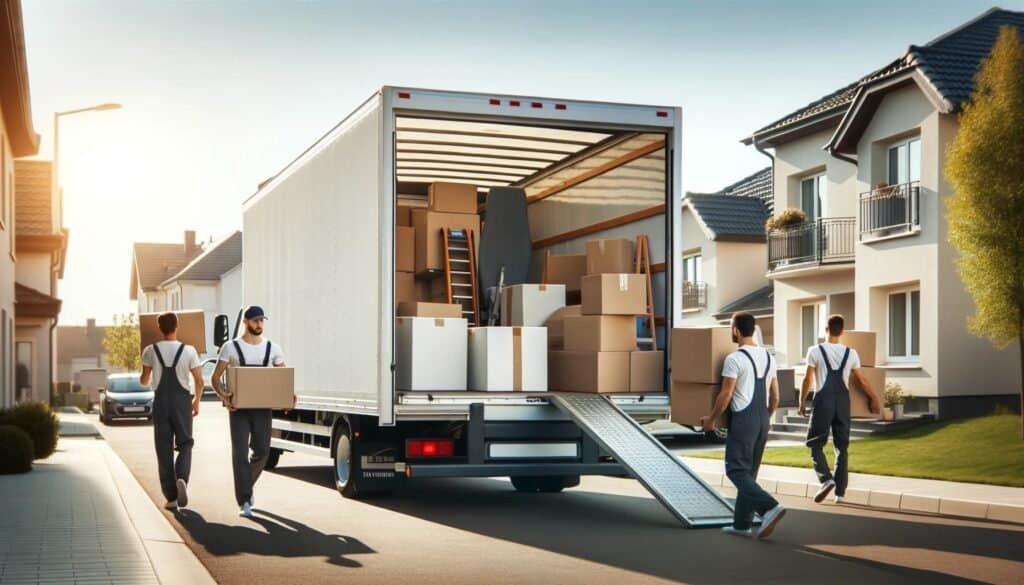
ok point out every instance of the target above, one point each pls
(508, 359)
(430, 353)
(530, 305)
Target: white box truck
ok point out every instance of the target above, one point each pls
(319, 255)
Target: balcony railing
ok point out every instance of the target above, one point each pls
(889, 210)
(823, 241)
(695, 295)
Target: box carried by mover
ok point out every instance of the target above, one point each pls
(690, 401)
(610, 256)
(430, 354)
(698, 353)
(262, 387)
(863, 342)
(614, 294)
(508, 359)
(859, 400)
(530, 305)
(191, 329)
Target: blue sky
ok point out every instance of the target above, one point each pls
(219, 95)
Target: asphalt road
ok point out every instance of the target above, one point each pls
(480, 531)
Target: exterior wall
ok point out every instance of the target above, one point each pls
(805, 157)
(229, 293)
(695, 239)
(7, 270)
(830, 287)
(37, 333)
(34, 270)
(201, 297)
(741, 271)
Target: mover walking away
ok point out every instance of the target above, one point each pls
(750, 395)
(168, 364)
(249, 426)
(830, 367)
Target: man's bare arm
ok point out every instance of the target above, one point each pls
(721, 404)
(773, 397)
(874, 404)
(147, 373)
(805, 389)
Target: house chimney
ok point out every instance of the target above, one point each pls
(90, 326)
(190, 244)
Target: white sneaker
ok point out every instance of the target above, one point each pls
(252, 501)
(824, 491)
(246, 510)
(182, 493)
(748, 533)
(839, 499)
(769, 520)
(171, 505)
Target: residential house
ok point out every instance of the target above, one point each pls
(866, 165)
(41, 247)
(79, 348)
(152, 264)
(18, 138)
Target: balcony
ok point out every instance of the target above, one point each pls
(890, 210)
(823, 241)
(695, 295)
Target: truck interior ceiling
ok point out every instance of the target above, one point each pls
(578, 183)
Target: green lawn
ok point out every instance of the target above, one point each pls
(980, 450)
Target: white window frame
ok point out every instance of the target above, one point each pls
(888, 161)
(908, 326)
(819, 198)
(698, 265)
(819, 325)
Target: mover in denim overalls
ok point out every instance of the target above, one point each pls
(745, 396)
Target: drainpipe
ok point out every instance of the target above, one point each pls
(836, 154)
(53, 326)
(771, 156)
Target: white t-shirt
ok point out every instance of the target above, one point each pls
(253, 354)
(738, 366)
(168, 349)
(835, 353)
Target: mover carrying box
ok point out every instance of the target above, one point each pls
(430, 354)
(600, 333)
(863, 342)
(699, 352)
(690, 401)
(405, 249)
(556, 325)
(589, 371)
(859, 400)
(530, 305)
(262, 387)
(610, 256)
(508, 359)
(419, 309)
(428, 225)
(647, 371)
(452, 197)
(405, 288)
(191, 329)
(614, 294)
(566, 269)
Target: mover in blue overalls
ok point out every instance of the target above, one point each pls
(250, 427)
(175, 402)
(750, 400)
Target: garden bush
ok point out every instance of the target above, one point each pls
(38, 421)
(15, 450)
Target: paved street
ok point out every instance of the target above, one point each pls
(480, 531)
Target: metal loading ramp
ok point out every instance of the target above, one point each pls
(676, 486)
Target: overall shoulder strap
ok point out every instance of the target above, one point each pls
(768, 364)
(752, 364)
(824, 356)
(238, 350)
(177, 356)
(266, 357)
(846, 356)
(159, 358)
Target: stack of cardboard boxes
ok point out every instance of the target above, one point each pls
(864, 343)
(698, 354)
(598, 341)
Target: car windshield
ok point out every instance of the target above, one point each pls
(125, 385)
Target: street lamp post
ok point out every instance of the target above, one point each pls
(56, 143)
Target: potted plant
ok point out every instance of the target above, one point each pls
(894, 399)
(786, 219)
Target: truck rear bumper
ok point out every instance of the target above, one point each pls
(513, 469)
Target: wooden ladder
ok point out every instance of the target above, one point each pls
(643, 266)
(460, 271)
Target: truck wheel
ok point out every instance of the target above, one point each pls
(273, 457)
(545, 484)
(346, 463)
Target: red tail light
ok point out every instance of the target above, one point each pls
(429, 447)
(404, 95)
(662, 114)
(536, 105)
(514, 103)
(559, 106)
(495, 102)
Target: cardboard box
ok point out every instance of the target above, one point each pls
(405, 249)
(690, 401)
(863, 342)
(428, 224)
(405, 288)
(556, 325)
(530, 305)
(698, 353)
(589, 371)
(858, 400)
(191, 329)
(600, 333)
(262, 387)
(436, 310)
(422, 287)
(647, 371)
(508, 359)
(610, 256)
(437, 290)
(566, 269)
(614, 294)
(452, 198)
(403, 215)
(430, 354)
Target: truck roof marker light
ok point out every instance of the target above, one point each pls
(662, 114)
(404, 95)
(514, 103)
(536, 105)
(494, 102)
(559, 106)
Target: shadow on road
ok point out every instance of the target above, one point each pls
(276, 537)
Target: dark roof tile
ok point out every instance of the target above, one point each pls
(33, 200)
(214, 261)
(730, 218)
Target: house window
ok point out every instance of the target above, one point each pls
(692, 271)
(812, 193)
(904, 325)
(4, 401)
(905, 162)
(22, 371)
(813, 318)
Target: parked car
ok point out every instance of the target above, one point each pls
(123, 397)
(208, 366)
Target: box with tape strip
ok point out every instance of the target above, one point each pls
(530, 305)
(508, 359)
(614, 294)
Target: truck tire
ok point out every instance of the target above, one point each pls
(550, 484)
(346, 462)
(273, 457)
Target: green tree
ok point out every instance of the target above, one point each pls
(121, 343)
(985, 166)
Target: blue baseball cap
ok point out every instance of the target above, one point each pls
(254, 312)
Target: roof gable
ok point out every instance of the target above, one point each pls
(33, 198)
(213, 262)
(729, 218)
(153, 263)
